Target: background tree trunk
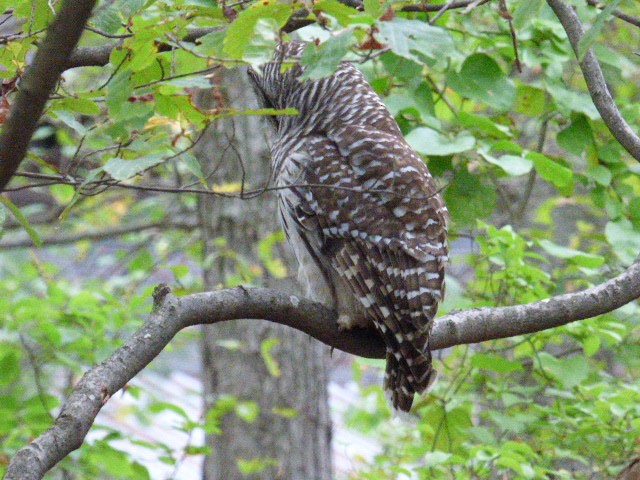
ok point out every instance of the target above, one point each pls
(295, 448)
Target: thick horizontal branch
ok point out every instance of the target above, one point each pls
(37, 83)
(99, 56)
(171, 314)
(596, 83)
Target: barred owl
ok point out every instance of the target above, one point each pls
(360, 210)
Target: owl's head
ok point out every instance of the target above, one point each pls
(276, 80)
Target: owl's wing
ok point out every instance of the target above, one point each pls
(383, 226)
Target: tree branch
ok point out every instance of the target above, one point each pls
(38, 82)
(617, 13)
(171, 314)
(99, 56)
(595, 81)
(67, 238)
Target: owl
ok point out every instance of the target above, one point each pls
(360, 210)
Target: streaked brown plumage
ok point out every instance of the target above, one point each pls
(360, 210)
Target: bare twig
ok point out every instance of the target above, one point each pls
(67, 238)
(595, 81)
(635, 21)
(38, 82)
(171, 314)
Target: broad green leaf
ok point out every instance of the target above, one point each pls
(121, 169)
(577, 257)
(75, 104)
(240, 33)
(525, 11)
(343, 14)
(495, 363)
(9, 366)
(624, 240)
(35, 238)
(468, 198)
(323, 60)
(429, 142)
(480, 78)
(576, 137)
(587, 39)
(601, 174)
(373, 7)
(553, 172)
(512, 164)
(119, 90)
(569, 372)
(572, 101)
(193, 164)
(415, 40)
(483, 124)
(591, 345)
(530, 100)
(259, 49)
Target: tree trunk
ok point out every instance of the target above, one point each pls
(273, 445)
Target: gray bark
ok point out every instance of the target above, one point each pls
(294, 448)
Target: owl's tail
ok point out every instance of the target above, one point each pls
(409, 371)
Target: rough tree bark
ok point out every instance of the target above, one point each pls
(293, 448)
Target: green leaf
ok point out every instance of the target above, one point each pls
(624, 240)
(417, 41)
(525, 11)
(591, 345)
(468, 198)
(322, 60)
(578, 136)
(120, 89)
(373, 7)
(587, 39)
(84, 106)
(270, 361)
(512, 164)
(342, 13)
(530, 100)
(601, 174)
(484, 125)
(553, 172)
(10, 367)
(577, 257)
(569, 372)
(259, 49)
(247, 411)
(429, 142)
(193, 164)
(480, 78)
(240, 32)
(35, 238)
(495, 363)
(121, 169)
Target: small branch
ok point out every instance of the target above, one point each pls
(39, 80)
(443, 7)
(635, 21)
(67, 238)
(595, 81)
(99, 56)
(171, 314)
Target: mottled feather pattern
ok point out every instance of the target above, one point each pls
(361, 211)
